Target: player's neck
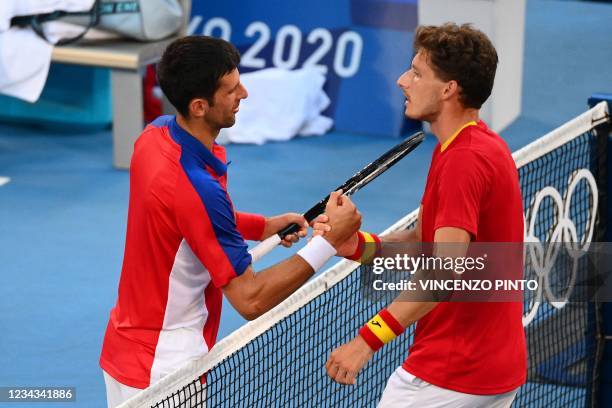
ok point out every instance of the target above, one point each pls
(198, 129)
(450, 121)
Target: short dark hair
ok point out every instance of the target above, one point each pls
(461, 53)
(191, 68)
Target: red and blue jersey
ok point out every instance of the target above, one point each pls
(184, 243)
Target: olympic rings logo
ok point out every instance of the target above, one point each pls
(544, 254)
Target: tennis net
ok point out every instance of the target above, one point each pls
(279, 359)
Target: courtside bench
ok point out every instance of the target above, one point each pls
(125, 59)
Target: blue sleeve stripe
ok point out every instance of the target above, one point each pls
(220, 213)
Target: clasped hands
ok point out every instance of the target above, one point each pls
(339, 224)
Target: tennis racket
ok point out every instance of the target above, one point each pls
(350, 187)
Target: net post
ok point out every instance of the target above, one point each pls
(602, 366)
(604, 144)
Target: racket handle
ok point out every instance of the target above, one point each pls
(264, 247)
(309, 215)
(260, 250)
(270, 243)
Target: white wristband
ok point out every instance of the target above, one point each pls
(317, 252)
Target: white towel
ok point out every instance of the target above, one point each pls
(281, 105)
(24, 57)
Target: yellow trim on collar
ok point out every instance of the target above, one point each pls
(450, 140)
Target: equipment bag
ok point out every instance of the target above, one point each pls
(144, 20)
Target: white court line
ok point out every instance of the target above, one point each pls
(4, 180)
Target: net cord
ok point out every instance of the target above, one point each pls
(241, 337)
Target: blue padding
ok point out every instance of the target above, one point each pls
(600, 96)
(63, 105)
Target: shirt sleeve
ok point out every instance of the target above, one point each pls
(251, 226)
(462, 185)
(205, 218)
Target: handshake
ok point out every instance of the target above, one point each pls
(338, 225)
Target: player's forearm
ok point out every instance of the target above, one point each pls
(405, 242)
(411, 305)
(410, 236)
(407, 313)
(274, 284)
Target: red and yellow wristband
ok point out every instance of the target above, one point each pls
(380, 330)
(367, 249)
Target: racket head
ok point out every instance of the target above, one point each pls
(382, 164)
(361, 178)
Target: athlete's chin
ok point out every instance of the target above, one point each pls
(229, 122)
(412, 114)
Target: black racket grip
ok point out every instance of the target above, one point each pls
(310, 215)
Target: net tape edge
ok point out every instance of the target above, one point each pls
(562, 135)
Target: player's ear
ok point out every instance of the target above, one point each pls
(198, 107)
(450, 89)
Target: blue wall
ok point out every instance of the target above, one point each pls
(362, 45)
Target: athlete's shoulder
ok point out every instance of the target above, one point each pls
(481, 141)
(162, 121)
(156, 138)
(469, 157)
(155, 132)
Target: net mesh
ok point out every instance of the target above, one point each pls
(285, 364)
(561, 341)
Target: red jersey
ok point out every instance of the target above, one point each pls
(470, 347)
(184, 243)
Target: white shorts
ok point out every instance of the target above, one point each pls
(117, 393)
(405, 390)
